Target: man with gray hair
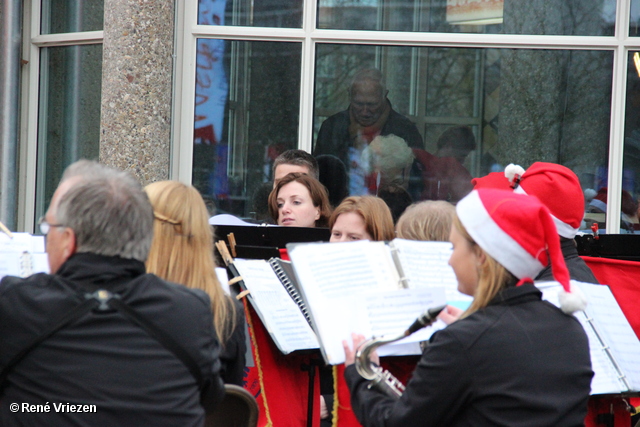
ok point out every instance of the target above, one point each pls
(98, 341)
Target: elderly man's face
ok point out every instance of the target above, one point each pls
(367, 102)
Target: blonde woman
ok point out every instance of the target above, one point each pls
(182, 252)
(511, 358)
(429, 220)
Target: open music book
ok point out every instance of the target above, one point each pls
(614, 346)
(373, 288)
(273, 295)
(22, 255)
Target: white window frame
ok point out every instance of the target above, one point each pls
(188, 32)
(30, 88)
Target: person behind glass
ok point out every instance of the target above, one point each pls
(370, 114)
(182, 252)
(361, 218)
(512, 358)
(299, 200)
(429, 220)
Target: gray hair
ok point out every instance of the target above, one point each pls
(371, 74)
(108, 210)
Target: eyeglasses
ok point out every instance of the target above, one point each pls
(45, 227)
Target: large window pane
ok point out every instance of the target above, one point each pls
(246, 112)
(247, 13)
(545, 17)
(631, 163)
(69, 126)
(461, 113)
(64, 16)
(634, 19)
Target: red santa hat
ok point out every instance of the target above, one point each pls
(555, 185)
(519, 233)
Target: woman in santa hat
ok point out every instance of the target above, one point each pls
(511, 359)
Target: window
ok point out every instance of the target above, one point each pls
(66, 63)
(523, 81)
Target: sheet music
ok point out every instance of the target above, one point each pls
(610, 319)
(613, 329)
(23, 255)
(341, 269)
(22, 242)
(426, 264)
(605, 377)
(280, 315)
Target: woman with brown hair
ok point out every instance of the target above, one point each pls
(361, 218)
(298, 200)
(182, 252)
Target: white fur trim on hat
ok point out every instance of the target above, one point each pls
(498, 244)
(564, 229)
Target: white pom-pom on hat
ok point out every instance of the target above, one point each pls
(573, 301)
(513, 171)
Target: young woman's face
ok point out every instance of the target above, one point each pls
(295, 207)
(348, 227)
(464, 260)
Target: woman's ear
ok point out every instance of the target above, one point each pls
(481, 255)
(317, 213)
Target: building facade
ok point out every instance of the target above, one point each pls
(210, 91)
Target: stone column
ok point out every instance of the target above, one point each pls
(137, 65)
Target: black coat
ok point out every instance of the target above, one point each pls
(518, 362)
(578, 269)
(104, 359)
(333, 137)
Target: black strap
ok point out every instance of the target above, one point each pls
(161, 336)
(62, 321)
(102, 300)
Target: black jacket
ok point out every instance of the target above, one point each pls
(333, 137)
(233, 355)
(518, 362)
(578, 269)
(104, 359)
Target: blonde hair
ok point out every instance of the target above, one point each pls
(182, 248)
(374, 212)
(492, 276)
(427, 220)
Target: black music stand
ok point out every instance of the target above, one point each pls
(616, 246)
(265, 242)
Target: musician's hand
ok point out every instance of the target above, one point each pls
(324, 412)
(350, 353)
(450, 314)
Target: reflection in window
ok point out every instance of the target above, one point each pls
(634, 19)
(64, 16)
(246, 113)
(69, 129)
(540, 17)
(264, 13)
(458, 113)
(631, 163)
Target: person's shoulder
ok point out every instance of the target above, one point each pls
(26, 285)
(179, 293)
(333, 120)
